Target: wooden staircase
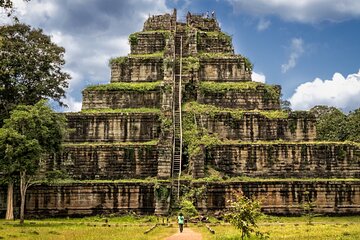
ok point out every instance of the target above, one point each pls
(177, 124)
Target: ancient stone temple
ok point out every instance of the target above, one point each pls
(181, 111)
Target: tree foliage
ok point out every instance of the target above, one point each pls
(30, 68)
(244, 213)
(331, 123)
(334, 125)
(27, 136)
(18, 153)
(353, 126)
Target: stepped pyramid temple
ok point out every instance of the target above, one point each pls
(181, 113)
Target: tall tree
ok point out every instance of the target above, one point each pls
(18, 155)
(353, 126)
(30, 68)
(36, 124)
(331, 123)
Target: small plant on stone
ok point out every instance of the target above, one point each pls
(308, 208)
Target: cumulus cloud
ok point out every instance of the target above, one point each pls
(258, 77)
(91, 32)
(305, 11)
(297, 49)
(339, 92)
(263, 24)
(73, 105)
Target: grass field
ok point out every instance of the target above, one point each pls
(129, 227)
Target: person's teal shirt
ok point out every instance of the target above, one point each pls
(181, 219)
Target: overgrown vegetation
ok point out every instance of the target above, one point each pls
(215, 34)
(133, 38)
(195, 136)
(197, 108)
(270, 92)
(218, 55)
(248, 65)
(125, 86)
(190, 64)
(159, 54)
(121, 110)
(82, 144)
(118, 60)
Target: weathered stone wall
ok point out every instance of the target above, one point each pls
(223, 69)
(89, 199)
(113, 127)
(97, 99)
(277, 197)
(256, 127)
(247, 99)
(287, 197)
(148, 42)
(216, 42)
(160, 22)
(137, 69)
(106, 161)
(282, 160)
(203, 23)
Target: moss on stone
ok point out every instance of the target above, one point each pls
(216, 34)
(211, 110)
(118, 60)
(125, 86)
(159, 54)
(121, 110)
(271, 92)
(111, 144)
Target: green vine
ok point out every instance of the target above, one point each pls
(190, 64)
(248, 65)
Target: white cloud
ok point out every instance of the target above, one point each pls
(73, 105)
(258, 77)
(306, 11)
(297, 49)
(91, 32)
(339, 92)
(263, 24)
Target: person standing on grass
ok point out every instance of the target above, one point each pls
(181, 222)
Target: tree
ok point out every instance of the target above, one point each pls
(30, 68)
(331, 123)
(18, 155)
(8, 6)
(41, 131)
(353, 126)
(244, 213)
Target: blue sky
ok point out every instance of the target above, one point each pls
(311, 47)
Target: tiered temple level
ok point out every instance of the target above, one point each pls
(130, 128)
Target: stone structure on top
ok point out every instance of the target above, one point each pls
(183, 102)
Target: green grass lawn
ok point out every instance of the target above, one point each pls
(129, 227)
(294, 228)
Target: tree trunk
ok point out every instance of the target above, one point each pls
(10, 199)
(23, 188)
